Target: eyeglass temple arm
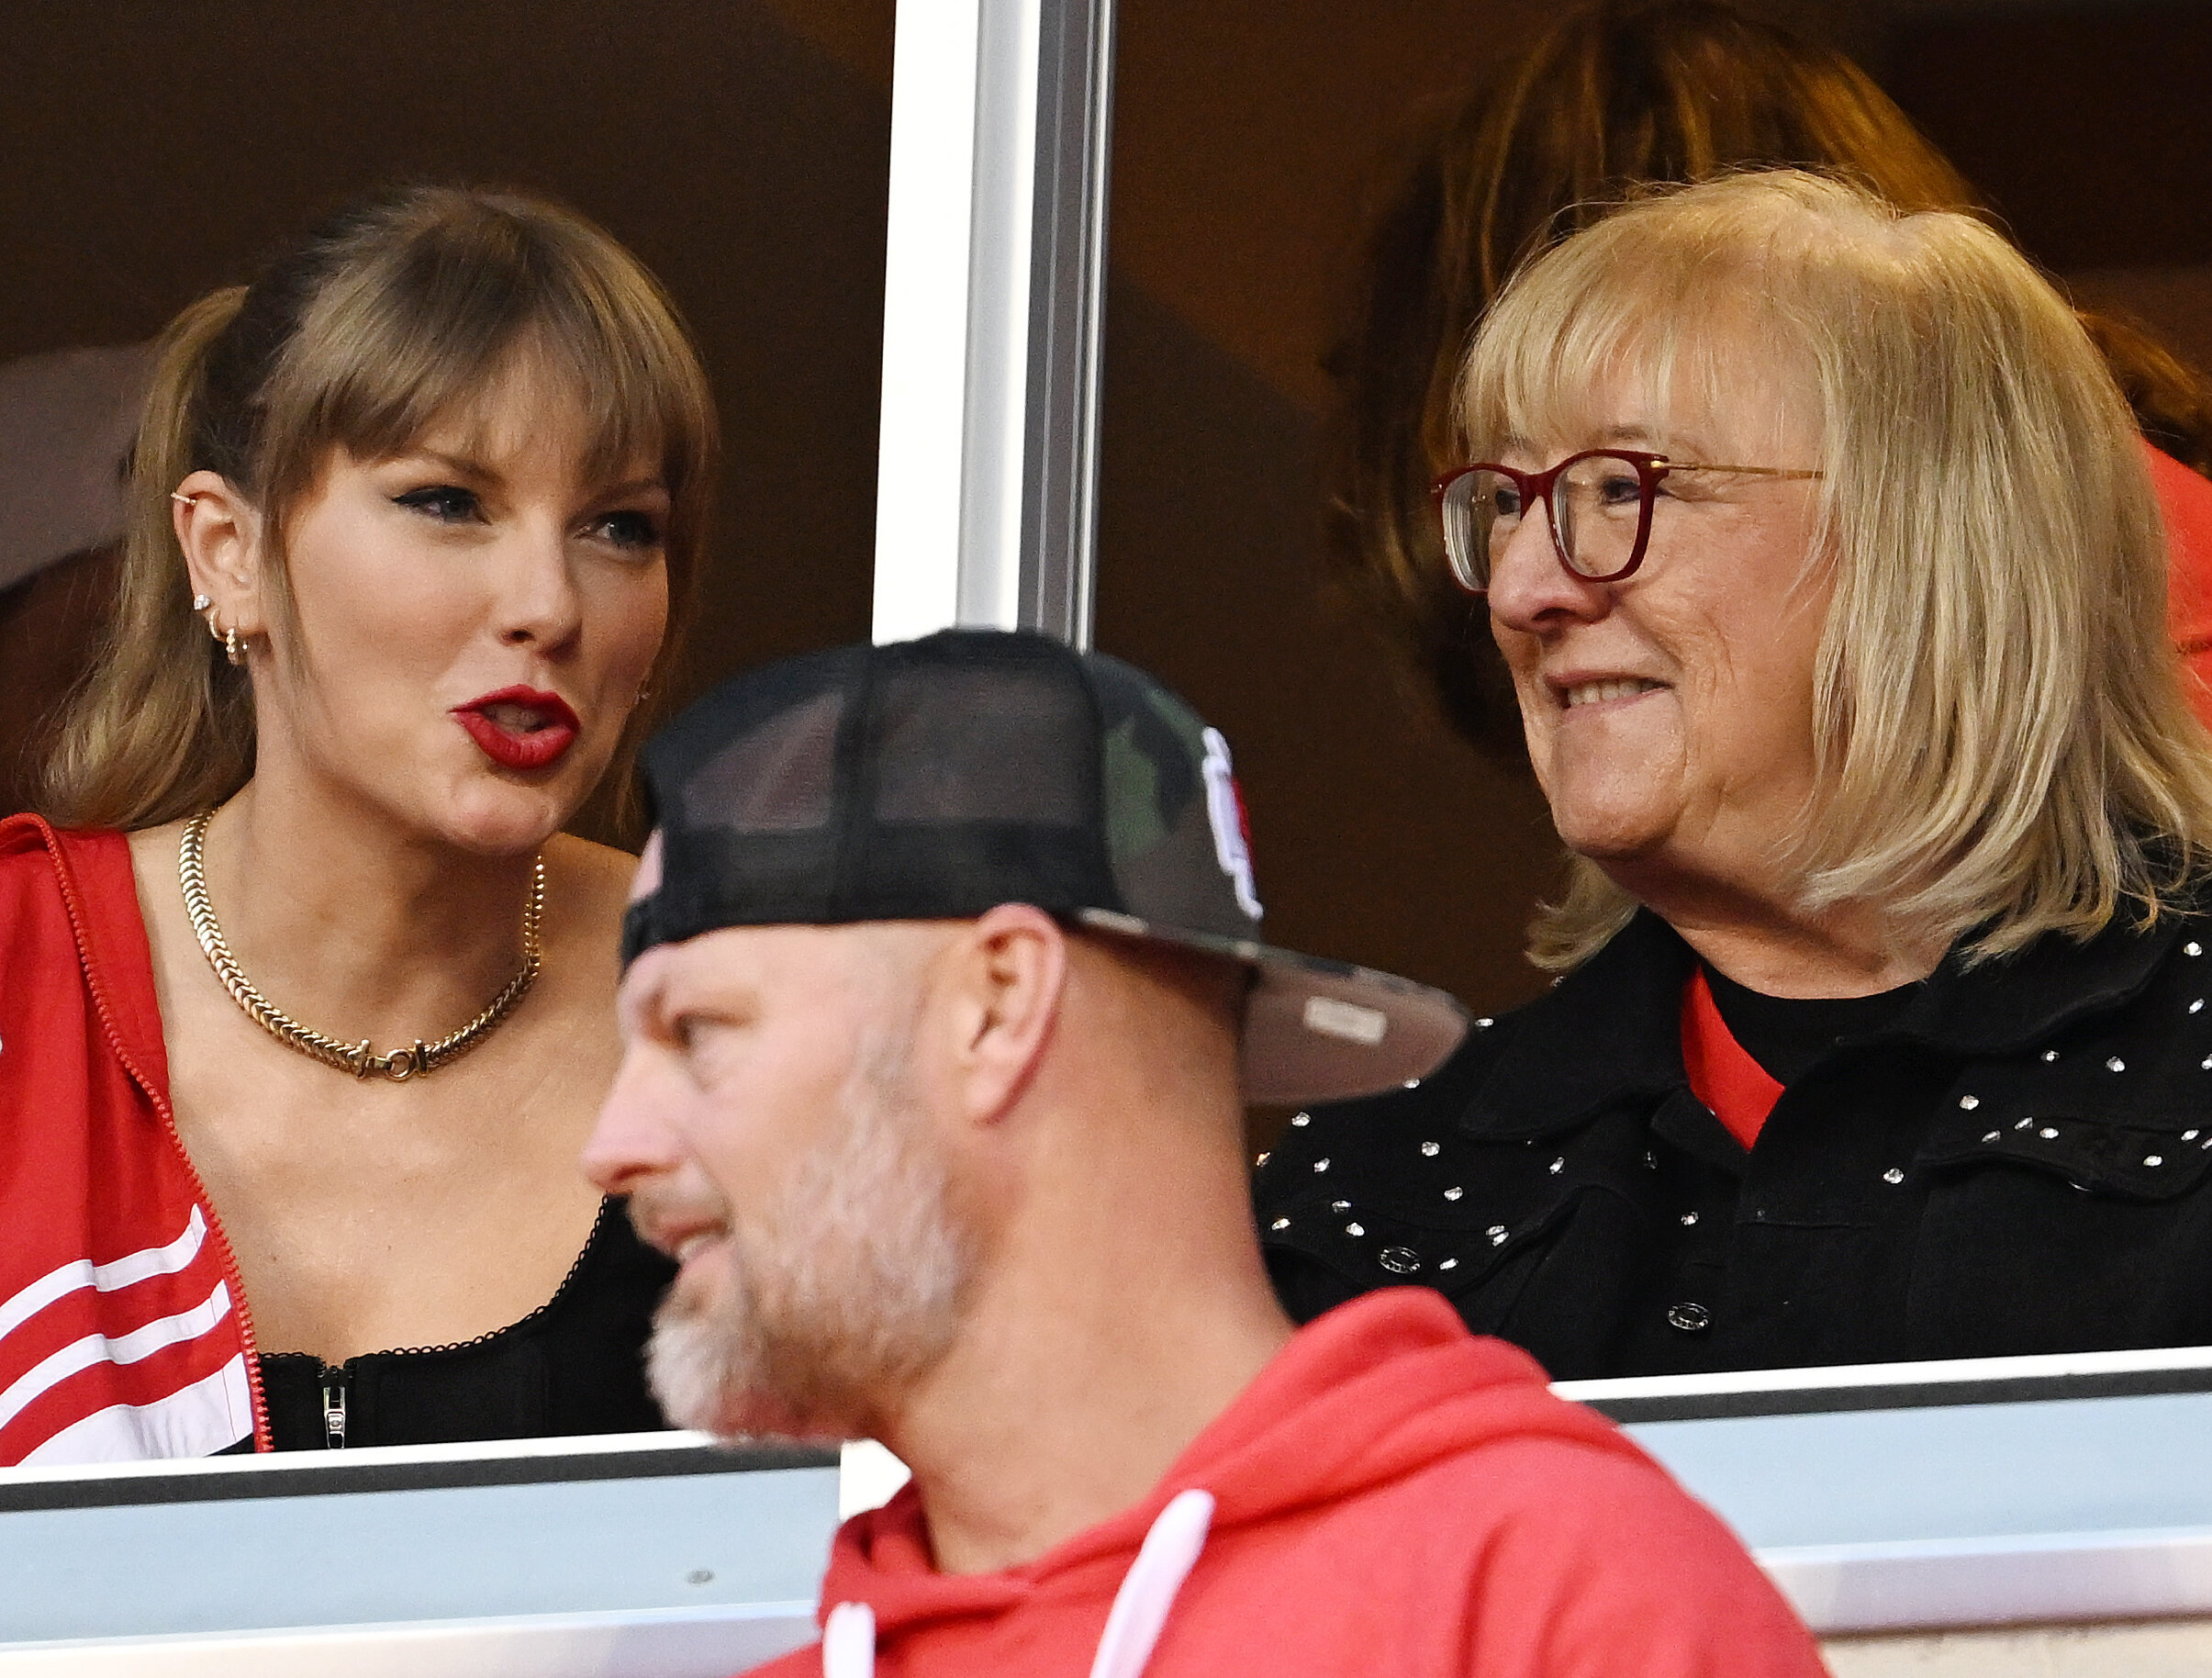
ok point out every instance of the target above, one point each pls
(1691, 465)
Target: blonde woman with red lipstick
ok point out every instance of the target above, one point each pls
(307, 1000)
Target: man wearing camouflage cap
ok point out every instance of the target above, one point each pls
(943, 996)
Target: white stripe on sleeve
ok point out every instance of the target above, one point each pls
(65, 1279)
(93, 1349)
(209, 1416)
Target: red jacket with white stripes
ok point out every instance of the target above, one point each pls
(123, 1332)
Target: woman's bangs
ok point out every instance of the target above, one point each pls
(558, 376)
(1552, 388)
(612, 339)
(376, 364)
(404, 352)
(634, 395)
(1611, 312)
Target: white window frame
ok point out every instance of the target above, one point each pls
(994, 282)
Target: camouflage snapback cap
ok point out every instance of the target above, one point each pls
(937, 779)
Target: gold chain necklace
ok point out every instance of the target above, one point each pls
(355, 1057)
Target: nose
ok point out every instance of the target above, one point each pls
(538, 605)
(1532, 590)
(632, 1140)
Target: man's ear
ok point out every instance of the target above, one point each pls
(1008, 976)
(220, 533)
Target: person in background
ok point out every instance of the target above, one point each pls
(65, 424)
(1820, 544)
(945, 994)
(1619, 94)
(307, 1001)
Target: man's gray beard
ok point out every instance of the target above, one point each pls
(842, 1289)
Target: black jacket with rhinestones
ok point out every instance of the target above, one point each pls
(2020, 1162)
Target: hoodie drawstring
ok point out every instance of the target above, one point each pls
(1139, 1610)
(1148, 1589)
(848, 1641)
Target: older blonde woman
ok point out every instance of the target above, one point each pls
(1821, 551)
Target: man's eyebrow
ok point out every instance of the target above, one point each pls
(641, 992)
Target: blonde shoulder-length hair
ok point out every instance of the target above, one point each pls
(2001, 743)
(362, 335)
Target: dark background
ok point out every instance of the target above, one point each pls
(740, 146)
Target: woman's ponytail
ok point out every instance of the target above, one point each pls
(164, 725)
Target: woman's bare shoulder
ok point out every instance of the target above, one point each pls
(153, 858)
(154, 848)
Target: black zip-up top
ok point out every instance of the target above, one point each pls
(576, 1365)
(2017, 1162)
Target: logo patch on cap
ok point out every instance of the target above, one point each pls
(1225, 813)
(1348, 1022)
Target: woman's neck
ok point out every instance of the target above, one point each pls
(355, 927)
(1779, 948)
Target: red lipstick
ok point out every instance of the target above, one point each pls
(519, 728)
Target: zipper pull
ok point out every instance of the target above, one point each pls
(334, 1409)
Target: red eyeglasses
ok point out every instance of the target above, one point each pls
(1600, 502)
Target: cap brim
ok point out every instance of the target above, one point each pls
(1316, 1030)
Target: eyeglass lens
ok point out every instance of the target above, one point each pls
(1596, 510)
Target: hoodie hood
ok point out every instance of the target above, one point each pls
(1374, 1391)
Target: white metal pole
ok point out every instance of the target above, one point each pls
(920, 448)
(994, 273)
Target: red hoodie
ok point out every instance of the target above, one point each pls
(1392, 1495)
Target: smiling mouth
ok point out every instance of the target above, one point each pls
(1598, 693)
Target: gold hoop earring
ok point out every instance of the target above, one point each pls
(234, 649)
